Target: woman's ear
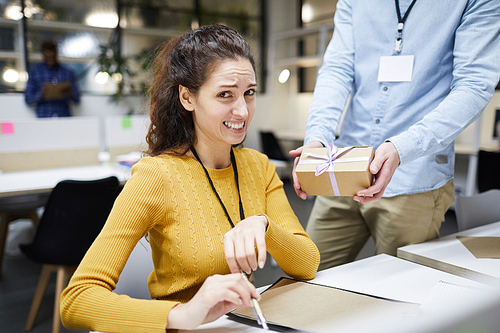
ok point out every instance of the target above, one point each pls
(186, 98)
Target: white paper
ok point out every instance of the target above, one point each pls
(445, 293)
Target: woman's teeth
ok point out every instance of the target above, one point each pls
(234, 126)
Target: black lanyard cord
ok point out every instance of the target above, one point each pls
(401, 22)
(235, 169)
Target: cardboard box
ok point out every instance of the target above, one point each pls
(350, 170)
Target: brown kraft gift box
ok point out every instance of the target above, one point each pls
(351, 175)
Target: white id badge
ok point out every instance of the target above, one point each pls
(395, 69)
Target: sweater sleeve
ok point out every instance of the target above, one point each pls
(88, 302)
(286, 240)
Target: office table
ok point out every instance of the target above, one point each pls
(44, 180)
(450, 255)
(390, 277)
(23, 191)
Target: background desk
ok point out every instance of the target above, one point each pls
(389, 277)
(44, 180)
(450, 255)
(30, 189)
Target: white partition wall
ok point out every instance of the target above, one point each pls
(47, 143)
(125, 134)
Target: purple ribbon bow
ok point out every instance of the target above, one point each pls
(333, 154)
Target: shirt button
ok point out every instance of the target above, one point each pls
(385, 88)
(377, 121)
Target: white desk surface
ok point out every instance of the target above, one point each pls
(43, 180)
(383, 276)
(450, 255)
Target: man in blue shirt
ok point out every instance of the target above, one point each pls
(51, 86)
(417, 73)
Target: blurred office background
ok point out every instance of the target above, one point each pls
(109, 44)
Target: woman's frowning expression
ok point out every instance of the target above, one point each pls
(224, 105)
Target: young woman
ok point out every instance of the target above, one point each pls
(210, 209)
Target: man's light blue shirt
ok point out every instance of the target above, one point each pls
(456, 49)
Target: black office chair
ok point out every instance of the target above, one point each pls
(74, 215)
(271, 146)
(488, 166)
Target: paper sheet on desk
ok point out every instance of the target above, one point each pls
(482, 247)
(446, 293)
(317, 308)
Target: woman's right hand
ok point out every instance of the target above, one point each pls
(218, 295)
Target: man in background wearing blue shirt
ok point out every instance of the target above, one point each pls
(418, 73)
(51, 86)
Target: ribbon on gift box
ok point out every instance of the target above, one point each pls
(334, 156)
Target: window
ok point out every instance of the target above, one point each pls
(85, 31)
(9, 54)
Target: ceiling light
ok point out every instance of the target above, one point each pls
(284, 76)
(102, 19)
(307, 13)
(11, 76)
(101, 77)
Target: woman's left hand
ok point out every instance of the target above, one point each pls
(240, 243)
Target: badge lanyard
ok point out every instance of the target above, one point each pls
(235, 169)
(401, 22)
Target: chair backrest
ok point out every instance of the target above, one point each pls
(74, 215)
(488, 166)
(271, 146)
(477, 210)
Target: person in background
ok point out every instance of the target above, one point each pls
(417, 74)
(51, 86)
(209, 209)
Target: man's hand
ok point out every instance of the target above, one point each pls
(383, 167)
(45, 90)
(296, 153)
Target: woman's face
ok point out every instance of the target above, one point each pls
(225, 104)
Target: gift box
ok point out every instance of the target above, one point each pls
(332, 171)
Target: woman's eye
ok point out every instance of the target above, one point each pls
(250, 92)
(223, 94)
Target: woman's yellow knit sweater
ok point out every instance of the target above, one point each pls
(171, 198)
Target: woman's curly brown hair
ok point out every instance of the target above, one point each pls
(188, 61)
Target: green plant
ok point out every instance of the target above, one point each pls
(117, 67)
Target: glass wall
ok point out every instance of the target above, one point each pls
(107, 59)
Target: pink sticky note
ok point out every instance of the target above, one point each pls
(7, 128)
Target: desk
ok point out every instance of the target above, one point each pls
(30, 189)
(450, 255)
(44, 180)
(389, 277)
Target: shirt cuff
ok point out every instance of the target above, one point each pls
(311, 139)
(408, 147)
